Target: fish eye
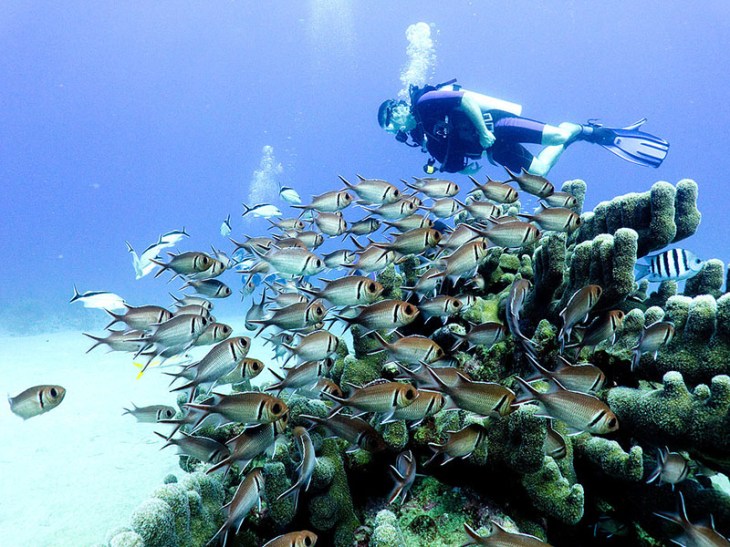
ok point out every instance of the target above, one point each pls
(439, 352)
(320, 310)
(396, 193)
(318, 263)
(409, 394)
(226, 330)
(371, 287)
(307, 541)
(255, 365)
(577, 221)
(276, 409)
(457, 303)
(168, 413)
(612, 423)
(205, 260)
(409, 309)
(54, 392)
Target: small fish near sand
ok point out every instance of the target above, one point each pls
(36, 400)
(99, 299)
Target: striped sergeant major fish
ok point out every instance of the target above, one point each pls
(674, 264)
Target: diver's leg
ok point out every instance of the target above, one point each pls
(546, 159)
(565, 133)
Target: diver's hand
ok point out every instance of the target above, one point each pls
(487, 139)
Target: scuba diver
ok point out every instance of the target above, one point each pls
(457, 127)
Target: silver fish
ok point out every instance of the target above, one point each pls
(331, 224)
(246, 370)
(305, 375)
(355, 431)
(222, 359)
(293, 261)
(192, 301)
(532, 184)
(181, 330)
(460, 444)
(314, 346)
(201, 448)
(246, 407)
(151, 414)
(440, 306)
(496, 191)
(577, 309)
(303, 538)
(555, 444)
(412, 222)
(556, 219)
(213, 333)
(423, 378)
(247, 495)
(329, 202)
(481, 210)
(582, 377)
(427, 404)
(173, 237)
(464, 261)
(671, 468)
(307, 239)
(372, 258)
(427, 283)
(484, 398)
(410, 350)
(352, 290)
(250, 444)
(693, 534)
(404, 473)
(512, 235)
(364, 227)
(581, 412)
(601, 328)
(290, 195)
(379, 397)
(288, 224)
(293, 317)
(193, 265)
(433, 187)
(306, 467)
(226, 228)
(462, 234)
(212, 288)
(652, 338)
(498, 536)
(131, 341)
(413, 241)
(254, 244)
(373, 191)
(265, 210)
(486, 334)
(256, 312)
(383, 315)
(561, 199)
(339, 259)
(99, 299)
(444, 208)
(36, 400)
(396, 210)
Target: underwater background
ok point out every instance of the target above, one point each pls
(122, 121)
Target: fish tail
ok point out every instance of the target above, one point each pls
(76, 295)
(635, 358)
(532, 393)
(346, 182)
(512, 176)
(168, 441)
(162, 266)
(99, 341)
(246, 209)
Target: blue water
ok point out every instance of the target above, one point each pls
(123, 121)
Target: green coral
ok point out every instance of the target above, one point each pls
(516, 440)
(576, 188)
(281, 511)
(334, 509)
(608, 261)
(549, 267)
(675, 416)
(709, 280)
(661, 216)
(386, 532)
(552, 494)
(609, 458)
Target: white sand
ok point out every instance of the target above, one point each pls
(69, 476)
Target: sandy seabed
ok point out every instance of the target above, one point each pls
(69, 476)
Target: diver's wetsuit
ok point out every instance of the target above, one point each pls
(452, 139)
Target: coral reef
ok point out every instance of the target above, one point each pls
(516, 466)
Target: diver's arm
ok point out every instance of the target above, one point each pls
(470, 107)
